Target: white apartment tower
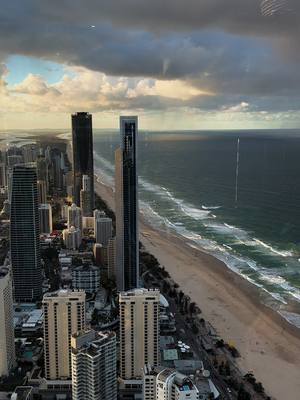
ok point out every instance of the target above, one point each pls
(7, 336)
(72, 238)
(139, 331)
(94, 366)
(64, 315)
(74, 217)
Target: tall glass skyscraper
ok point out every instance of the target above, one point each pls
(24, 235)
(83, 161)
(126, 186)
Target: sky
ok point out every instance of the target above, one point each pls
(177, 64)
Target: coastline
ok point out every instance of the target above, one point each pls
(269, 345)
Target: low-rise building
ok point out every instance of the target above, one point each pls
(72, 238)
(86, 277)
(167, 384)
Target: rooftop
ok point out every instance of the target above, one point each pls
(65, 293)
(140, 292)
(86, 267)
(89, 341)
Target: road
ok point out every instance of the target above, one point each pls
(193, 341)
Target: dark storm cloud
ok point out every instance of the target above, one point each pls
(224, 46)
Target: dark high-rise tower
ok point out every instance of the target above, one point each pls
(126, 186)
(83, 161)
(24, 235)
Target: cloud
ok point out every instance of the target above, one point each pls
(35, 85)
(162, 55)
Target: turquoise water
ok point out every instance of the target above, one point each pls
(247, 215)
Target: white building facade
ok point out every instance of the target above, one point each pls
(139, 331)
(74, 217)
(167, 384)
(64, 315)
(94, 366)
(72, 238)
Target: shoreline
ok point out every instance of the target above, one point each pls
(268, 343)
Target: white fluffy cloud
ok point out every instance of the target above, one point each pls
(93, 91)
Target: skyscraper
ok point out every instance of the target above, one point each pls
(83, 160)
(7, 335)
(24, 235)
(74, 217)
(42, 192)
(3, 176)
(85, 196)
(45, 217)
(139, 331)
(72, 238)
(94, 366)
(103, 230)
(126, 186)
(64, 315)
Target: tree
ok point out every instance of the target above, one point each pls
(192, 308)
(220, 343)
(227, 369)
(243, 394)
(195, 329)
(258, 387)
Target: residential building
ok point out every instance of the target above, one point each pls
(103, 230)
(14, 159)
(111, 258)
(7, 336)
(29, 152)
(83, 157)
(74, 217)
(64, 315)
(167, 384)
(3, 174)
(139, 331)
(72, 238)
(85, 196)
(86, 277)
(24, 235)
(94, 365)
(45, 217)
(126, 198)
(42, 192)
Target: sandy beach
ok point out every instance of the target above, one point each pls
(269, 346)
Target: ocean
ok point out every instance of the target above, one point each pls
(235, 194)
